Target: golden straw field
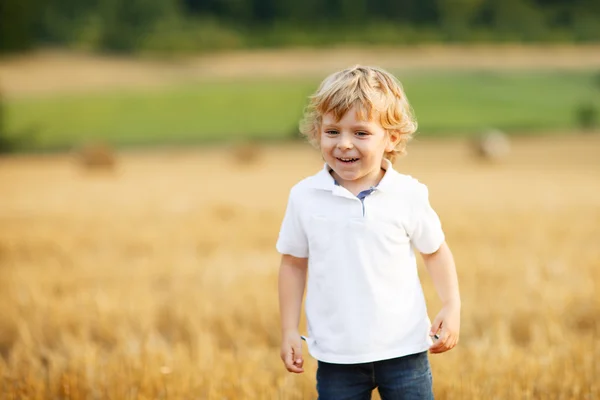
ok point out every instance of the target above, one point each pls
(158, 279)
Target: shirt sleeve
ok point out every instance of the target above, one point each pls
(292, 237)
(426, 229)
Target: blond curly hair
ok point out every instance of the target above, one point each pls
(374, 92)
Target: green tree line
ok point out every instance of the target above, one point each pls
(197, 25)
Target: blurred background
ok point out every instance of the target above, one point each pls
(147, 149)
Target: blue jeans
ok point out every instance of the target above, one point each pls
(407, 377)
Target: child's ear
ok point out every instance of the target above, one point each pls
(393, 140)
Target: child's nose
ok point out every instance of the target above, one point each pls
(345, 142)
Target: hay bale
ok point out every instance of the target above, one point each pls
(96, 156)
(491, 145)
(247, 153)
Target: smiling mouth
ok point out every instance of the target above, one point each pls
(347, 160)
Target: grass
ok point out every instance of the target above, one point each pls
(469, 102)
(446, 103)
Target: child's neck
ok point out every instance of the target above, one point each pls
(358, 185)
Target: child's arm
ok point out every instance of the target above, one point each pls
(292, 280)
(443, 274)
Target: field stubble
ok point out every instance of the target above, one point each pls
(158, 279)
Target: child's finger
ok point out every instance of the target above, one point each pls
(451, 343)
(289, 358)
(297, 352)
(290, 364)
(446, 342)
(439, 345)
(297, 356)
(454, 341)
(289, 361)
(437, 348)
(295, 368)
(436, 326)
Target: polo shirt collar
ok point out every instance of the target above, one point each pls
(323, 179)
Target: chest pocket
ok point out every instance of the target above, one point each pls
(390, 233)
(390, 238)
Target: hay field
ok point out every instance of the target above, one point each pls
(158, 280)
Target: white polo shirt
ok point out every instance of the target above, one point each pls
(364, 300)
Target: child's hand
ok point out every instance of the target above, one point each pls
(447, 326)
(291, 351)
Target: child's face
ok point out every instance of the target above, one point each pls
(354, 148)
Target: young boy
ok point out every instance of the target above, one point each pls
(352, 227)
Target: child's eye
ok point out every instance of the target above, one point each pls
(362, 133)
(331, 132)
